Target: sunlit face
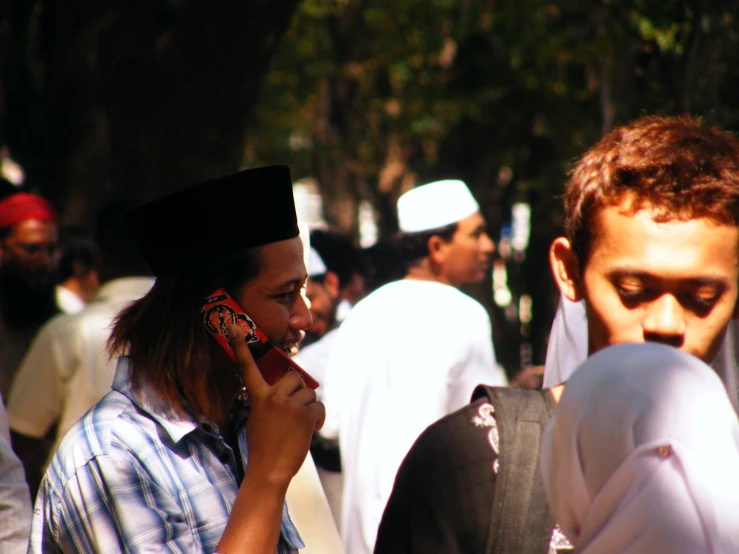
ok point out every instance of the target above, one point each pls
(466, 257)
(273, 299)
(672, 282)
(31, 251)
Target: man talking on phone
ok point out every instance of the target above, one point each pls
(191, 451)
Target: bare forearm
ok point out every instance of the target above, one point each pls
(254, 524)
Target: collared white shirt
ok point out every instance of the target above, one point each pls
(408, 354)
(314, 359)
(67, 370)
(67, 301)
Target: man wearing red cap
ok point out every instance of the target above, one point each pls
(29, 256)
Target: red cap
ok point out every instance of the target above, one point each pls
(22, 206)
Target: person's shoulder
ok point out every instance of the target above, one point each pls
(471, 308)
(449, 475)
(457, 432)
(55, 329)
(450, 298)
(93, 323)
(99, 433)
(378, 298)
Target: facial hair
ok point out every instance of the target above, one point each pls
(23, 306)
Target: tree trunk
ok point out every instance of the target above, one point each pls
(141, 98)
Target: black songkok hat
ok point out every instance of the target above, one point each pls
(204, 221)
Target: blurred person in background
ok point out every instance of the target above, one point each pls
(78, 278)
(322, 289)
(410, 352)
(66, 369)
(15, 500)
(384, 264)
(309, 506)
(29, 250)
(346, 261)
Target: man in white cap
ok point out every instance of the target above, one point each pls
(409, 353)
(322, 289)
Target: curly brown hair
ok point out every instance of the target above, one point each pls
(680, 167)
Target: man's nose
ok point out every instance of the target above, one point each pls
(665, 321)
(301, 318)
(487, 246)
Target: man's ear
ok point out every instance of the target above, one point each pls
(436, 249)
(331, 284)
(566, 269)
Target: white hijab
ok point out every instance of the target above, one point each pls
(642, 455)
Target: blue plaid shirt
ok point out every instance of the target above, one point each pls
(132, 476)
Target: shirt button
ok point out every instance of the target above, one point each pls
(664, 451)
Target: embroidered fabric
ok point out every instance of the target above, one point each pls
(486, 418)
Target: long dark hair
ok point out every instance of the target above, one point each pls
(164, 337)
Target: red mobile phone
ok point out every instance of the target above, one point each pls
(220, 311)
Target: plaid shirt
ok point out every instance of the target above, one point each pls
(132, 476)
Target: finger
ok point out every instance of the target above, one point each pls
(303, 397)
(318, 411)
(289, 383)
(253, 380)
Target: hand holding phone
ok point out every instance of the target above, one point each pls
(282, 419)
(220, 311)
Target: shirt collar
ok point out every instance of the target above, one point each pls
(124, 288)
(147, 399)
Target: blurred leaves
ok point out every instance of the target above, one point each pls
(534, 80)
(370, 96)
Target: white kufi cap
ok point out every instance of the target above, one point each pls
(315, 264)
(435, 205)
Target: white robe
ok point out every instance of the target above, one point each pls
(408, 354)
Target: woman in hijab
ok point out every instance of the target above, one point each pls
(642, 455)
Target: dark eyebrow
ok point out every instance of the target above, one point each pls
(707, 280)
(291, 284)
(635, 274)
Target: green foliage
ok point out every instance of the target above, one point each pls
(368, 96)
(367, 84)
